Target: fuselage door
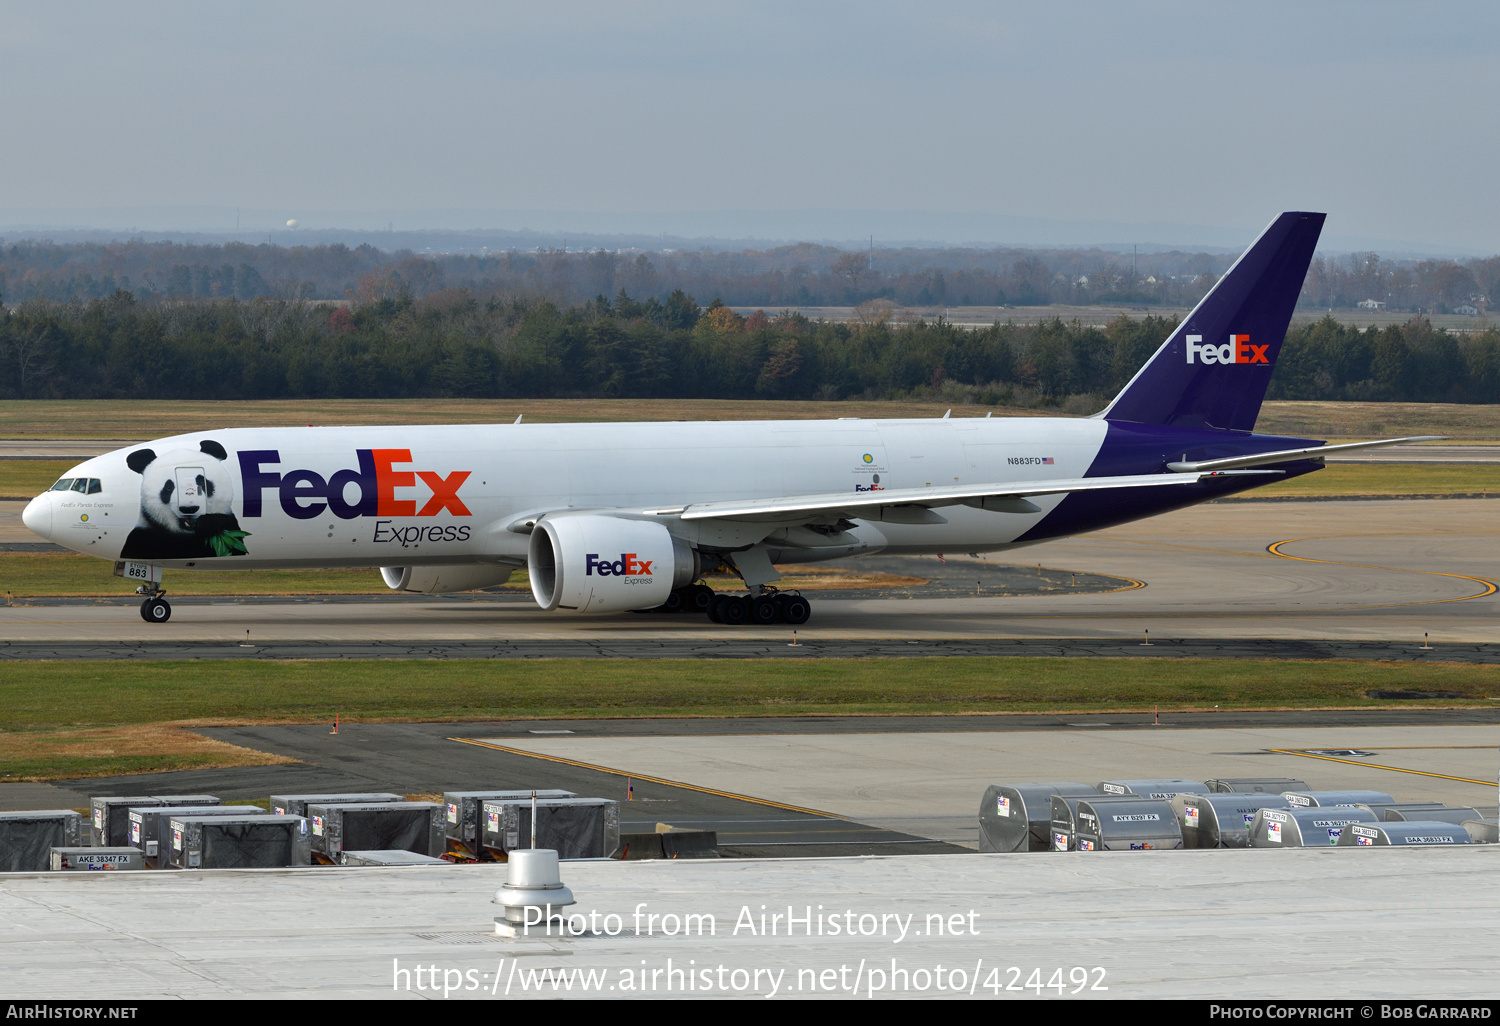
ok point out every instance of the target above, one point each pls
(190, 500)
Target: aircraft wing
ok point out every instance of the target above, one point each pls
(1315, 452)
(914, 505)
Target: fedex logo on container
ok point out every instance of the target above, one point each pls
(1237, 350)
(626, 566)
(306, 494)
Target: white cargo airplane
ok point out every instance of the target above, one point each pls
(615, 517)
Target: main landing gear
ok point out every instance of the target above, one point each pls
(762, 610)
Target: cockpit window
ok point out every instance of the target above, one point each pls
(63, 485)
(80, 484)
(95, 486)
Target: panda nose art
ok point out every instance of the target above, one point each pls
(187, 509)
(37, 516)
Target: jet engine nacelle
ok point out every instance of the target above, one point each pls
(603, 564)
(444, 580)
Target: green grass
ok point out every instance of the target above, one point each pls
(127, 419)
(43, 574)
(1348, 479)
(36, 695)
(133, 748)
(1350, 421)
(25, 478)
(60, 719)
(39, 574)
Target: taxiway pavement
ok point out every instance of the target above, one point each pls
(1388, 571)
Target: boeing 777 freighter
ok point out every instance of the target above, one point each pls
(615, 517)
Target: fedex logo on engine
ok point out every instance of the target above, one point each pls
(1237, 350)
(306, 494)
(626, 566)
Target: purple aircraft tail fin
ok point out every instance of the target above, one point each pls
(1213, 370)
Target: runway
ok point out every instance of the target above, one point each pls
(1391, 572)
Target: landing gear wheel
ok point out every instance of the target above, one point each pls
(697, 598)
(764, 610)
(155, 610)
(714, 602)
(733, 610)
(673, 604)
(794, 609)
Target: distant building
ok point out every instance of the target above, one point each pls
(1467, 310)
(1370, 304)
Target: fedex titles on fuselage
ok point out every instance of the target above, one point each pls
(1237, 350)
(306, 494)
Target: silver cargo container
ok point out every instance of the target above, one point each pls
(1161, 790)
(296, 804)
(1458, 815)
(398, 857)
(1064, 827)
(95, 858)
(1145, 824)
(1382, 810)
(576, 828)
(1483, 831)
(111, 816)
(27, 838)
(1221, 820)
(1325, 799)
(1018, 817)
(234, 842)
(1305, 827)
(109, 829)
(1256, 785)
(1402, 834)
(462, 811)
(147, 825)
(377, 826)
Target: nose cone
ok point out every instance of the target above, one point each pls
(38, 515)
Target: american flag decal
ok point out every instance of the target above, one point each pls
(1047, 459)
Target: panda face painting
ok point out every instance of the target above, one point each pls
(187, 499)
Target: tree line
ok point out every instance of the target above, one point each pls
(781, 277)
(450, 344)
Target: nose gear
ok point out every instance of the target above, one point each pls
(154, 609)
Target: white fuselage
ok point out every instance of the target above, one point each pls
(423, 511)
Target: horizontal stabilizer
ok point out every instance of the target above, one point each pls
(1315, 452)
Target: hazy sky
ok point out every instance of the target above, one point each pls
(1382, 114)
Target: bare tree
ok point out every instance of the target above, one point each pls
(29, 349)
(874, 311)
(852, 267)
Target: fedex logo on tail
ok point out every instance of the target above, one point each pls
(1237, 350)
(626, 566)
